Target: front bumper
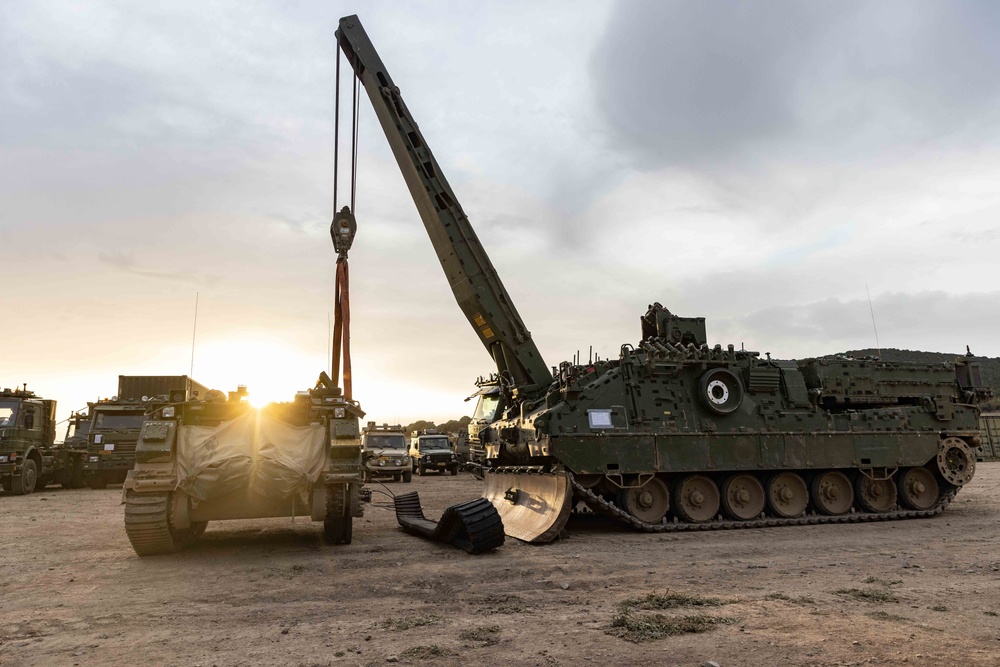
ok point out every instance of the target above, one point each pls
(104, 462)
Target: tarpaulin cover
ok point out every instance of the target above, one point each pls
(254, 451)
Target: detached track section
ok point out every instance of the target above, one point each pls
(810, 520)
(474, 526)
(147, 523)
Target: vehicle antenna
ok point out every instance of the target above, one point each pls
(878, 348)
(194, 332)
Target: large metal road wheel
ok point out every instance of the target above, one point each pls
(696, 499)
(918, 489)
(338, 524)
(832, 492)
(787, 495)
(648, 503)
(743, 497)
(875, 495)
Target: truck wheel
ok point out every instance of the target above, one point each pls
(76, 478)
(421, 471)
(5, 484)
(97, 482)
(454, 469)
(23, 484)
(407, 477)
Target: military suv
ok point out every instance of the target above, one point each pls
(431, 450)
(385, 452)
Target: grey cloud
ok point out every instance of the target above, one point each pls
(128, 263)
(684, 82)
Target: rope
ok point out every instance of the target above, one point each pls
(342, 326)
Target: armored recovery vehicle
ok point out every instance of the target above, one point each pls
(29, 459)
(677, 434)
(216, 459)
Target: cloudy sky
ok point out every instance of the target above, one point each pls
(758, 164)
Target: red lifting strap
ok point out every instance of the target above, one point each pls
(342, 326)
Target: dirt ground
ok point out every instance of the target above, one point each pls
(270, 592)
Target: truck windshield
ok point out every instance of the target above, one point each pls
(440, 442)
(78, 429)
(385, 441)
(486, 407)
(8, 413)
(113, 420)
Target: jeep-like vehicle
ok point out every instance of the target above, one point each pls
(385, 452)
(431, 450)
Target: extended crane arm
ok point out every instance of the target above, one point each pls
(474, 281)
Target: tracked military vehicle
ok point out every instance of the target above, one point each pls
(676, 433)
(216, 459)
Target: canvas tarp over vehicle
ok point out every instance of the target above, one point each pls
(268, 456)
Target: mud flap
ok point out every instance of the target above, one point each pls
(474, 526)
(534, 507)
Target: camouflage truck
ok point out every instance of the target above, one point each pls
(115, 423)
(218, 459)
(29, 459)
(385, 453)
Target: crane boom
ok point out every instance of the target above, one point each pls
(475, 283)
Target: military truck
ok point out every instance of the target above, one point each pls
(431, 450)
(215, 459)
(116, 422)
(29, 459)
(385, 452)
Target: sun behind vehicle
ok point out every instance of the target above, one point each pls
(432, 451)
(385, 452)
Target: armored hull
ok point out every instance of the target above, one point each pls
(675, 434)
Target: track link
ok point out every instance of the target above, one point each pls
(767, 522)
(474, 526)
(147, 517)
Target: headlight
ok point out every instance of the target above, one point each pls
(93, 459)
(427, 457)
(339, 413)
(168, 411)
(3, 459)
(381, 462)
(397, 462)
(452, 457)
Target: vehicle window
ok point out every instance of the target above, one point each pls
(8, 413)
(486, 407)
(436, 443)
(385, 442)
(111, 420)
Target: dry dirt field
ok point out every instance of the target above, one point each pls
(269, 592)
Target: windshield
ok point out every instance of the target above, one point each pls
(118, 420)
(486, 407)
(78, 428)
(385, 441)
(8, 413)
(438, 442)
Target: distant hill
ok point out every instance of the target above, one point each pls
(990, 366)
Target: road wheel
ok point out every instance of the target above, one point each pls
(648, 503)
(395, 477)
(97, 482)
(696, 499)
(23, 484)
(454, 469)
(787, 495)
(338, 523)
(407, 477)
(743, 497)
(918, 489)
(832, 492)
(875, 495)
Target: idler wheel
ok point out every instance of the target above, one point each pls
(832, 492)
(918, 489)
(875, 495)
(696, 499)
(648, 503)
(956, 461)
(787, 495)
(743, 497)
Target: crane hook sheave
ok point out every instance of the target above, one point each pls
(342, 230)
